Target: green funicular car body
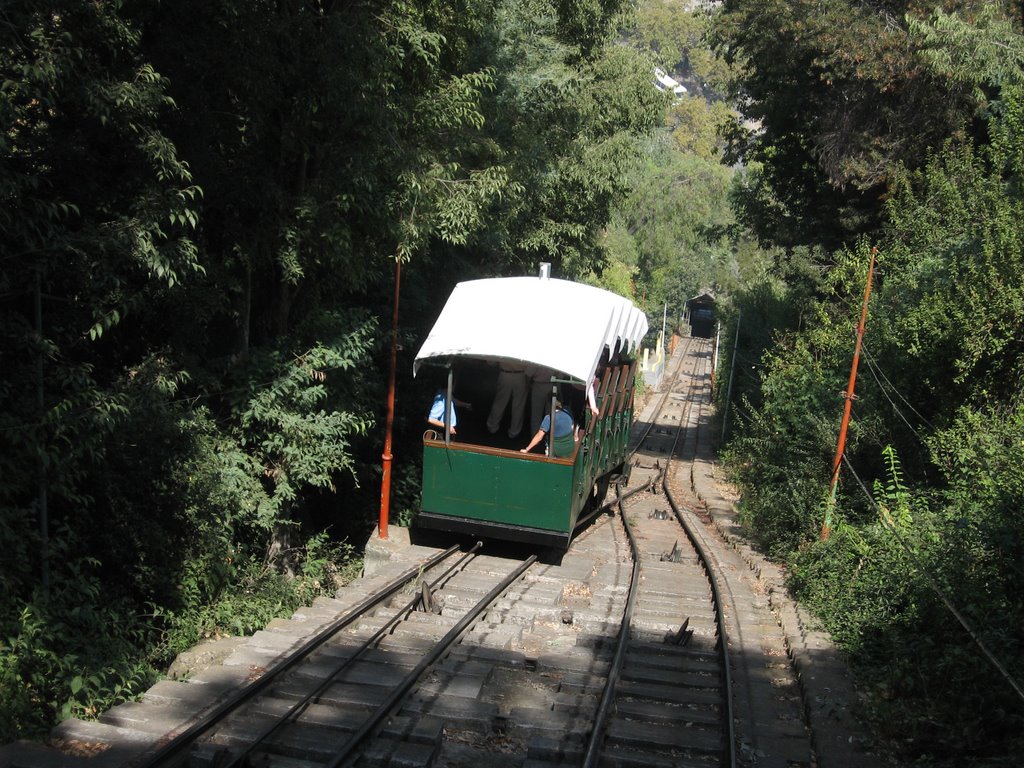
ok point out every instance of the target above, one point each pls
(480, 484)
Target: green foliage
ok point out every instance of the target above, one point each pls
(572, 130)
(697, 126)
(207, 200)
(586, 24)
(835, 99)
(294, 427)
(677, 216)
(72, 87)
(618, 274)
(936, 428)
(891, 496)
(883, 589)
(249, 596)
(781, 449)
(677, 35)
(985, 52)
(971, 274)
(47, 673)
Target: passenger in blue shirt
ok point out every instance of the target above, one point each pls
(565, 432)
(436, 416)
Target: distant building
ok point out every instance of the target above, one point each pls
(665, 83)
(700, 314)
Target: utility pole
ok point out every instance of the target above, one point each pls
(732, 370)
(714, 353)
(849, 396)
(385, 480)
(664, 324)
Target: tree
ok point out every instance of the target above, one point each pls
(677, 36)
(210, 199)
(677, 217)
(570, 119)
(930, 493)
(837, 99)
(96, 216)
(318, 176)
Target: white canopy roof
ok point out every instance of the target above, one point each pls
(541, 321)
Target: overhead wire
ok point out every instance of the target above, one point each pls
(895, 407)
(933, 584)
(876, 371)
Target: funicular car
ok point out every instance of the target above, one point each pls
(479, 483)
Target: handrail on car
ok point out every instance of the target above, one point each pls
(614, 392)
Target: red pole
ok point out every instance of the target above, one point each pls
(385, 481)
(849, 396)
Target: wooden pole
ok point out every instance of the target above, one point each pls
(385, 480)
(732, 371)
(849, 397)
(714, 354)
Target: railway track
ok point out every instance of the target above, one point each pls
(667, 700)
(542, 668)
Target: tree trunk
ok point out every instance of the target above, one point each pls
(245, 328)
(280, 550)
(282, 308)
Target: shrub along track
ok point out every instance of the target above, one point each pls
(524, 684)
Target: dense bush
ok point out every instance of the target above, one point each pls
(921, 578)
(48, 673)
(204, 206)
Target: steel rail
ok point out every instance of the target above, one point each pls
(187, 738)
(345, 755)
(597, 733)
(664, 397)
(723, 637)
(582, 522)
(296, 710)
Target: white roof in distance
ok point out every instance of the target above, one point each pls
(665, 83)
(541, 321)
